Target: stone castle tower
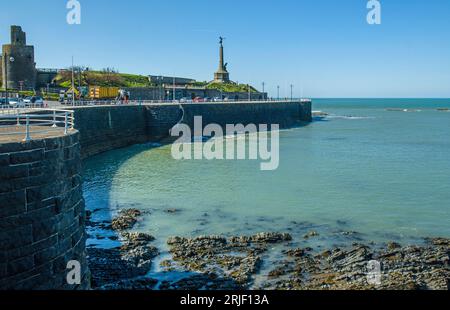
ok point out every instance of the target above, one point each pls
(18, 59)
(222, 75)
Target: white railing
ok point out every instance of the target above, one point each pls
(29, 122)
(142, 102)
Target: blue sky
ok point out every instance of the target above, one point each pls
(324, 47)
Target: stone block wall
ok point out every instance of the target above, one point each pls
(284, 114)
(42, 214)
(162, 118)
(104, 128)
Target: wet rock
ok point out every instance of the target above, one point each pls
(393, 245)
(270, 237)
(440, 242)
(311, 234)
(202, 282)
(402, 268)
(132, 259)
(88, 214)
(134, 284)
(140, 256)
(350, 233)
(279, 271)
(172, 211)
(295, 252)
(137, 237)
(126, 219)
(108, 266)
(237, 258)
(266, 237)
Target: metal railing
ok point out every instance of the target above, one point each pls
(29, 122)
(78, 103)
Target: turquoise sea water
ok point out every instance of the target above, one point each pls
(379, 167)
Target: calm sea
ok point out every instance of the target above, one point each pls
(375, 170)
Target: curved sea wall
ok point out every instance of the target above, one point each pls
(42, 211)
(42, 214)
(105, 128)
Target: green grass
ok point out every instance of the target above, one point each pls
(105, 79)
(231, 87)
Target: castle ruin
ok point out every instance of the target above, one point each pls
(17, 62)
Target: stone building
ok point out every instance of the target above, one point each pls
(17, 62)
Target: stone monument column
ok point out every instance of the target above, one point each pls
(222, 75)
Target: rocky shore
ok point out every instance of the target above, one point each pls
(239, 262)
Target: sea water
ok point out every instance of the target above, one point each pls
(373, 170)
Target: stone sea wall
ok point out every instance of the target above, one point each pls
(42, 213)
(106, 128)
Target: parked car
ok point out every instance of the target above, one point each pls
(16, 103)
(34, 101)
(217, 99)
(206, 99)
(199, 99)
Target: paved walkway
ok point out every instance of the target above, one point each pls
(17, 133)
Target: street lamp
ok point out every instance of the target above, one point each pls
(292, 87)
(263, 85)
(11, 59)
(278, 92)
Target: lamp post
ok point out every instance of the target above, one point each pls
(174, 91)
(11, 59)
(263, 88)
(249, 95)
(292, 87)
(160, 85)
(73, 85)
(278, 92)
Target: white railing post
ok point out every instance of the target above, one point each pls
(54, 119)
(27, 130)
(66, 119)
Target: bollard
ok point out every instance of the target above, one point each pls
(54, 119)
(27, 130)
(66, 119)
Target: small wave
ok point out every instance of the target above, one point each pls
(350, 117)
(402, 110)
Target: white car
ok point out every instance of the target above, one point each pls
(33, 101)
(16, 103)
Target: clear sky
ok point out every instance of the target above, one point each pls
(324, 47)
